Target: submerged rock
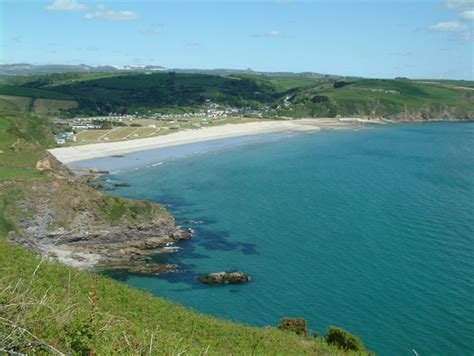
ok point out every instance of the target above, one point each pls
(144, 269)
(225, 278)
(121, 185)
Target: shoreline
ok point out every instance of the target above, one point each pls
(74, 154)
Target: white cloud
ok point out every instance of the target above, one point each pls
(192, 44)
(100, 6)
(456, 4)
(152, 30)
(467, 35)
(269, 34)
(112, 15)
(467, 15)
(450, 26)
(66, 5)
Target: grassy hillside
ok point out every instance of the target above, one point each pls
(46, 307)
(396, 99)
(292, 96)
(33, 93)
(101, 93)
(39, 101)
(22, 140)
(15, 103)
(130, 93)
(53, 107)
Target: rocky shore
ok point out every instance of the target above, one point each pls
(65, 219)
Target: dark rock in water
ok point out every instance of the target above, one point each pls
(98, 171)
(142, 268)
(225, 278)
(121, 185)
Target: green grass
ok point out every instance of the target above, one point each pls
(20, 138)
(33, 93)
(52, 107)
(15, 103)
(32, 104)
(14, 173)
(284, 83)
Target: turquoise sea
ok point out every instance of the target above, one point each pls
(369, 230)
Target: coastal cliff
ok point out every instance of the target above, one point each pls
(62, 217)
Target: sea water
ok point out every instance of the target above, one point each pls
(369, 230)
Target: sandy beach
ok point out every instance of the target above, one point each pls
(68, 155)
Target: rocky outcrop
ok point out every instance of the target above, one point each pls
(225, 278)
(63, 218)
(43, 164)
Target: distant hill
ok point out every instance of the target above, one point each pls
(144, 89)
(102, 93)
(226, 72)
(31, 69)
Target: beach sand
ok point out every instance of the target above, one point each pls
(68, 155)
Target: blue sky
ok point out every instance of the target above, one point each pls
(378, 38)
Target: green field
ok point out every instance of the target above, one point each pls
(35, 93)
(285, 83)
(39, 106)
(52, 107)
(15, 103)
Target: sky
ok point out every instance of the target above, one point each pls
(377, 39)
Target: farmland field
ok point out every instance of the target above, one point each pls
(33, 93)
(15, 103)
(52, 107)
(89, 136)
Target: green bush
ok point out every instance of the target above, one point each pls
(80, 337)
(320, 99)
(296, 325)
(343, 339)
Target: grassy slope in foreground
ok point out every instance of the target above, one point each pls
(45, 305)
(73, 310)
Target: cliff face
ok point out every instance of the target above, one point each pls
(428, 114)
(61, 217)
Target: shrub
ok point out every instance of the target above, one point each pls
(340, 84)
(343, 339)
(296, 325)
(80, 337)
(320, 99)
